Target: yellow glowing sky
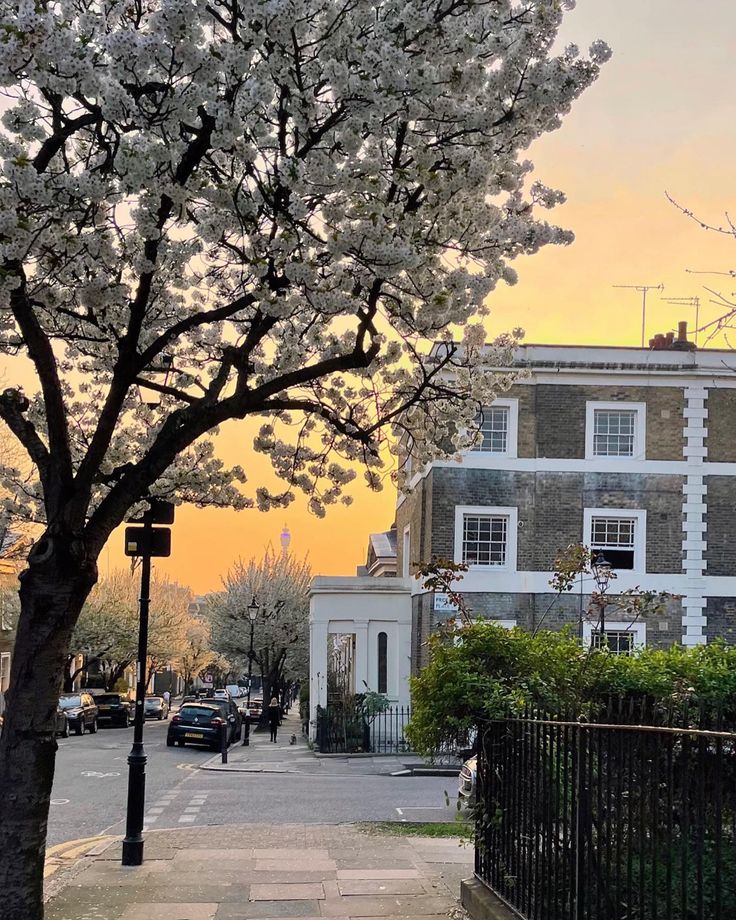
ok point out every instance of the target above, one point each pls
(661, 117)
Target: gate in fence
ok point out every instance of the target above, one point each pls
(341, 731)
(594, 821)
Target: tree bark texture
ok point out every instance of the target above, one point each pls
(53, 590)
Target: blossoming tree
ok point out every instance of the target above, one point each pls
(258, 208)
(279, 583)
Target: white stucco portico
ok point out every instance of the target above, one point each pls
(365, 608)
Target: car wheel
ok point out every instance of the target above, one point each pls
(65, 729)
(160, 716)
(169, 742)
(93, 728)
(180, 743)
(79, 728)
(127, 720)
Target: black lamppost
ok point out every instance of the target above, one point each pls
(143, 542)
(602, 573)
(252, 616)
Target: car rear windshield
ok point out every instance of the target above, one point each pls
(70, 702)
(189, 713)
(153, 701)
(108, 698)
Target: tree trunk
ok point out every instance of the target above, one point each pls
(52, 592)
(272, 666)
(116, 672)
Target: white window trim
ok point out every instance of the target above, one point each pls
(640, 429)
(512, 434)
(406, 556)
(511, 535)
(637, 628)
(640, 532)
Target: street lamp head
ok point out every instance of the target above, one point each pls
(253, 610)
(602, 572)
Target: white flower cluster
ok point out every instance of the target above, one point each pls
(289, 206)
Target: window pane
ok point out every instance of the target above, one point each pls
(494, 429)
(620, 642)
(382, 662)
(614, 432)
(484, 539)
(615, 538)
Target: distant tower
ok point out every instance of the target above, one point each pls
(285, 540)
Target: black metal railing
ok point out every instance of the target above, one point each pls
(341, 731)
(608, 820)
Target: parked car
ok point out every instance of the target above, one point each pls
(467, 780)
(231, 713)
(196, 723)
(255, 709)
(155, 707)
(115, 709)
(62, 723)
(80, 711)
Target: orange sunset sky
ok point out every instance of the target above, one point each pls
(661, 117)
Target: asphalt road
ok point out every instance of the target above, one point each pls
(90, 788)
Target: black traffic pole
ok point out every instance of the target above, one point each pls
(133, 842)
(143, 542)
(252, 616)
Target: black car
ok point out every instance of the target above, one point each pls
(230, 712)
(62, 723)
(80, 712)
(115, 709)
(196, 723)
(155, 707)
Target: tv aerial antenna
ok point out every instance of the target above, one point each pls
(688, 302)
(643, 289)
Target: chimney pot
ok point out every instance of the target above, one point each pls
(682, 331)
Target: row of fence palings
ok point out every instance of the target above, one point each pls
(341, 731)
(608, 820)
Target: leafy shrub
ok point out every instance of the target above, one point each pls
(484, 671)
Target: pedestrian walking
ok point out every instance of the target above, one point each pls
(167, 699)
(274, 717)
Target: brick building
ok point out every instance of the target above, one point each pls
(628, 450)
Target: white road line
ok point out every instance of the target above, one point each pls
(155, 811)
(187, 819)
(400, 811)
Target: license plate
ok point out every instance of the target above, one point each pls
(103, 708)
(193, 735)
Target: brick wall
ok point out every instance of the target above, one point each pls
(721, 552)
(416, 511)
(721, 424)
(721, 614)
(560, 418)
(551, 510)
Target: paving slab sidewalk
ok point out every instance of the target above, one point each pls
(266, 872)
(263, 756)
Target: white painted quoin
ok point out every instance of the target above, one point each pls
(363, 607)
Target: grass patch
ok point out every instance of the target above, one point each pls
(417, 828)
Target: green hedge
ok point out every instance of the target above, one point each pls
(485, 671)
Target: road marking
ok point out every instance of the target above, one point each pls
(187, 819)
(155, 811)
(401, 813)
(59, 801)
(96, 774)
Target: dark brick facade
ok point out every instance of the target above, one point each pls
(551, 503)
(721, 424)
(551, 510)
(720, 554)
(560, 418)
